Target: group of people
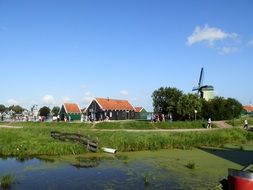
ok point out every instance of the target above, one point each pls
(161, 117)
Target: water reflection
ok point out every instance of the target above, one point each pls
(81, 173)
(82, 162)
(163, 169)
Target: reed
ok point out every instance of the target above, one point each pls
(36, 140)
(6, 181)
(190, 165)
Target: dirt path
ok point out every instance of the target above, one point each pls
(155, 130)
(11, 127)
(222, 124)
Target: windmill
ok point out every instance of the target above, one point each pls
(204, 91)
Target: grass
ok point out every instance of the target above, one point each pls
(6, 181)
(239, 122)
(34, 139)
(128, 124)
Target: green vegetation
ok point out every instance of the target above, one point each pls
(34, 139)
(117, 125)
(240, 122)
(171, 100)
(182, 125)
(6, 181)
(44, 111)
(125, 125)
(190, 165)
(150, 125)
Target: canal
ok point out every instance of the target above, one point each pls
(164, 169)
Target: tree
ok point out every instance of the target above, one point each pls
(44, 111)
(17, 109)
(2, 108)
(233, 107)
(55, 110)
(187, 105)
(220, 108)
(165, 100)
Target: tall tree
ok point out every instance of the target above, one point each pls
(55, 110)
(220, 108)
(233, 108)
(165, 100)
(17, 109)
(2, 108)
(187, 106)
(44, 111)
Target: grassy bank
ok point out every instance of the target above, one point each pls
(36, 140)
(240, 122)
(128, 124)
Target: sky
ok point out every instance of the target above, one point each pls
(55, 51)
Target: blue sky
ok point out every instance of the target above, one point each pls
(53, 51)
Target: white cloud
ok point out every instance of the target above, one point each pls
(227, 50)
(88, 96)
(209, 35)
(124, 93)
(134, 99)
(65, 99)
(12, 102)
(48, 100)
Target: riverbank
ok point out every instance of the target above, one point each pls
(35, 139)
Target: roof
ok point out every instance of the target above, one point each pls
(112, 104)
(248, 108)
(138, 109)
(72, 108)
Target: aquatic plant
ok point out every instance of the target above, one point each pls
(242, 148)
(190, 165)
(6, 181)
(146, 179)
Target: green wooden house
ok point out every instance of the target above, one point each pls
(70, 111)
(140, 113)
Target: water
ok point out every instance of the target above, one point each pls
(108, 174)
(164, 169)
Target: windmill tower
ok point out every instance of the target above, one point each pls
(204, 91)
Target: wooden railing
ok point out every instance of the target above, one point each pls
(91, 144)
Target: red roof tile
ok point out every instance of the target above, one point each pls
(72, 108)
(112, 104)
(138, 109)
(248, 108)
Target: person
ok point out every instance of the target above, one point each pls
(209, 123)
(245, 124)
(65, 119)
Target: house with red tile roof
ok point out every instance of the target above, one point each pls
(106, 108)
(71, 111)
(248, 109)
(140, 113)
